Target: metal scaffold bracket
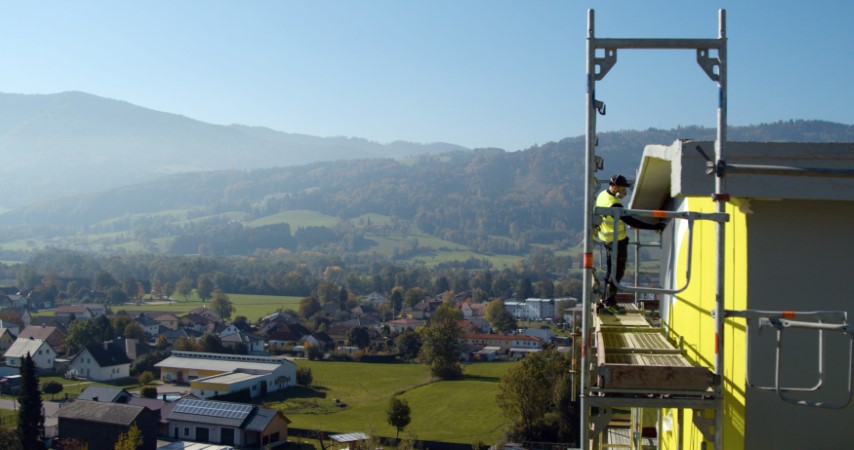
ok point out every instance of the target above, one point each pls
(710, 65)
(706, 426)
(604, 64)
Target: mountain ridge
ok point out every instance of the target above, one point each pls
(74, 142)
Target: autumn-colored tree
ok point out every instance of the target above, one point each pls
(132, 440)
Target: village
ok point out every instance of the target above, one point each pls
(210, 373)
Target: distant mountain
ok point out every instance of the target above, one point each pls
(60, 144)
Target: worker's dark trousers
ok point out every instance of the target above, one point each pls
(610, 295)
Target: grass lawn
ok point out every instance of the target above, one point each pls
(453, 411)
(8, 419)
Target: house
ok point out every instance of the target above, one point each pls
(197, 322)
(183, 367)
(81, 311)
(284, 337)
(235, 327)
(18, 316)
(13, 327)
(279, 316)
(168, 321)
(423, 310)
(253, 342)
(172, 336)
(319, 340)
(44, 357)
(148, 324)
(511, 344)
(237, 424)
(133, 348)
(101, 362)
(99, 424)
(400, 325)
(13, 301)
(161, 407)
(206, 313)
(107, 394)
(53, 335)
(6, 339)
(470, 310)
(256, 383)
(784, 235)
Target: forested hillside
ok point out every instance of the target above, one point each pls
(489, 200)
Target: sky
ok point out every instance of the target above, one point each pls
(477, 73)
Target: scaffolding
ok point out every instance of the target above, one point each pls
(636, 366)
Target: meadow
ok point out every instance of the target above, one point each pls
(459, 411)
(253, 307)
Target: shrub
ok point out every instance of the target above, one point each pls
(52, 388)
(145, 378)
(148, 392)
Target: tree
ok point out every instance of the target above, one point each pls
(80, 334)
(441, 345)
(398, 413)
(308, 307)
(131, 440)
(534, 394)
(134, 330)
(396, 300)
(498, 316)
(442, 284)
(304, 376)
(30, 417)
(52, 388)
(204, 287)
(359, 337)
(104, 281)
(526, 289)
(413, 296)
(221, 304)
(408, 344)
(184, 287)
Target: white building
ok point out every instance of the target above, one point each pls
(43, 355)
(101, 362)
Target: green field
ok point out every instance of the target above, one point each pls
(452, 411)
(253, 307)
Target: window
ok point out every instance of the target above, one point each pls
(186, 431)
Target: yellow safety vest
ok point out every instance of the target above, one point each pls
(606, 228)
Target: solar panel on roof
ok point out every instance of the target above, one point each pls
(214, 409)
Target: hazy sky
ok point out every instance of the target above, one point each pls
(478, 73)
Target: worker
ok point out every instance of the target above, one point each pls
(610, 198)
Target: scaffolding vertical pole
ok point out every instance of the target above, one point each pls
(720, 188)
(587, 282)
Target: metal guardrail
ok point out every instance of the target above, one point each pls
(781, 320)
(617, 212)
